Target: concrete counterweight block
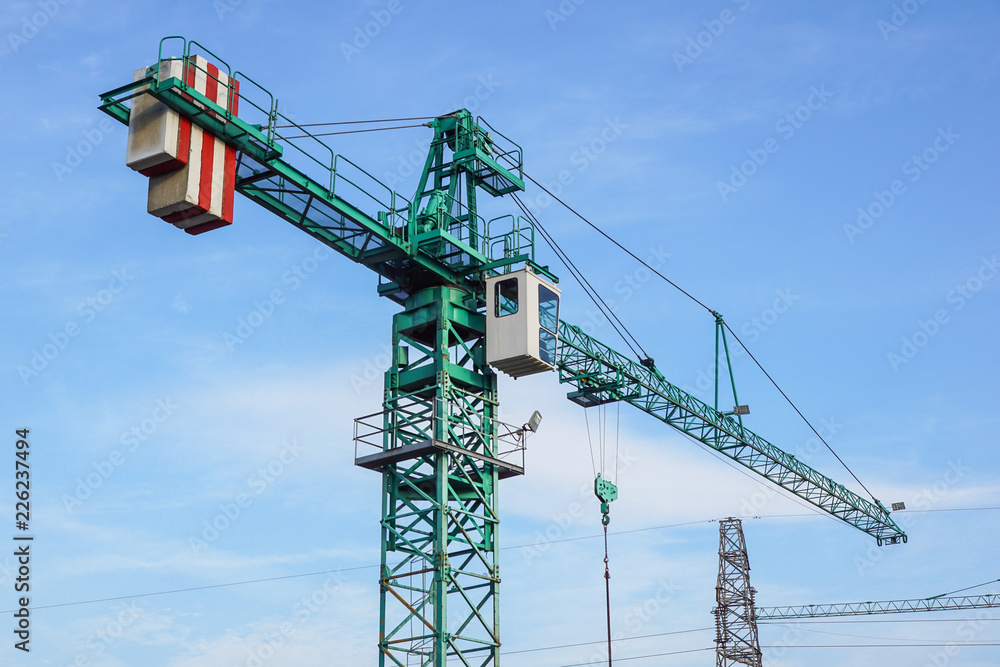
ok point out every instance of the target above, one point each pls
(198, 196)
(158, 138)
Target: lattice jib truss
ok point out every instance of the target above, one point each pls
(442, 448)
(601, 374)
(942, 603)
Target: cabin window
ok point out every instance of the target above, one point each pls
(548, 320)
(506, 297)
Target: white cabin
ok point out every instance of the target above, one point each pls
(522, 321)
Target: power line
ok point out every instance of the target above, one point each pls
(620, 639)
(641, 657)
(194, 588)
(517, 546)
(880, 620)
(951, 643)
(314, 574)
(844, 634)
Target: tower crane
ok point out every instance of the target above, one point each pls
(474, 299)
(736, 614)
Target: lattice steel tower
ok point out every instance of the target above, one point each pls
(735, 613)
(474, 301)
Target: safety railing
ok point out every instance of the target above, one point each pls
(415, 422)
(518, 241)
(316, 160)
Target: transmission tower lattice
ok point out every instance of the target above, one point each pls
(735, 615)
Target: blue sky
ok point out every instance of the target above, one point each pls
(822, 176)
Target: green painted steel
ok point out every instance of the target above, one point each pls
(434, 239)
(602, 374)
(882, 607)
(438, 443)
(605, 492)
(720, 332)
(440, 566)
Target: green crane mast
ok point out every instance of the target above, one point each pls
(438, 442)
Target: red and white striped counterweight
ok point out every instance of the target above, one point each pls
(192, 173)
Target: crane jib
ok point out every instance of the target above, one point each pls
(601, 375)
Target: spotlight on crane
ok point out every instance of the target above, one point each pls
(533, 422)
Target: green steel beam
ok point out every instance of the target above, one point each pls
(881, 607)
(411, 249)
(438, 441)
(440, 459)
(601, 374)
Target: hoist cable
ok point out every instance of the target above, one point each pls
(690, 296)
(602, 437)
(607, 589)
(794, 407)
(578, 275)
(618, 432)
(584, 283)
(985, 583)
(590, 442)
(330, 134)
(602, 306)
(353, 122)
(629, 252)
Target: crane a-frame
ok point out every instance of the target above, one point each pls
(439, 444)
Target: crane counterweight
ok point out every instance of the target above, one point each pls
(473, 298)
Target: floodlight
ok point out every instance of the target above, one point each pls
(536, 419)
